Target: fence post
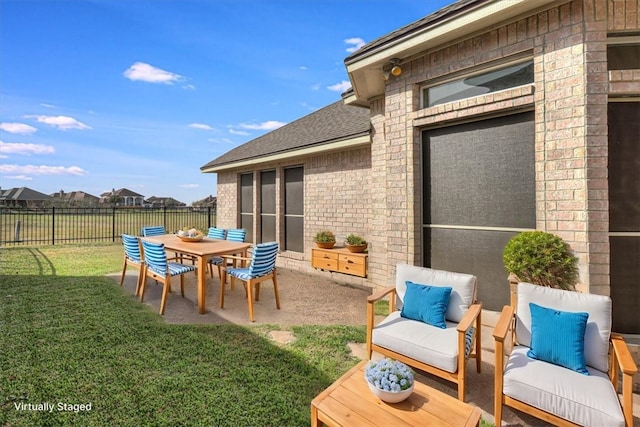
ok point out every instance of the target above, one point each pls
(113, 223)
(164, 217)
(16, 232)
(53, 225)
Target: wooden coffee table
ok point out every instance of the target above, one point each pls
(349, 402)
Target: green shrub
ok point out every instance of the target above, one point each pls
(542, 259)
(325, 236)
(355, 240)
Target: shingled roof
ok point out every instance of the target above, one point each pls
(428, 21)
(333, 123)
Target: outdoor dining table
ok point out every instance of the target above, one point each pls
(202, 251)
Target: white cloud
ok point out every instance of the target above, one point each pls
(22, 148)
(340, 87)
(238, 132)
(41, 170)
(268, 125)
(61, 122)
(303, 68)
(189, 87)
(21, 177)
(19, 128)
(355, 42)
(315, 86)
(220, 140)
(200, 126)
(148, 73)
(48, 106)
(190, 185)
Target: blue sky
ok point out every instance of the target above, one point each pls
(105, 94)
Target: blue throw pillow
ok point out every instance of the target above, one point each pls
(558, 337)
(425, 303)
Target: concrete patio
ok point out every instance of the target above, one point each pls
(309, 299)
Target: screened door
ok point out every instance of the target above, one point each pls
(268, 206)
(294, 209)
(478, 192)
(624, 214)
(246, 204)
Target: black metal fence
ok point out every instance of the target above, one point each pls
(51, 226)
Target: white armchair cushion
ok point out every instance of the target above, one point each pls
(597, 332)
(463, 292)
(588, 400)
(428, 344)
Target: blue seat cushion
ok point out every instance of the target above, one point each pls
(558, 337)
(426, 303)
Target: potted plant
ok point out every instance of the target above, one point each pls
(325, 239)
(391, 380)
(540, 258)
(355, 243)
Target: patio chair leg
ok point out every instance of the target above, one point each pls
(142, 285)
(182, 285)
(222, 284)
(275, 289)
(257, 291)
(165, 290)
(250, 299)
(124, 269)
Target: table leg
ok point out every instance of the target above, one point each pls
(202, 284)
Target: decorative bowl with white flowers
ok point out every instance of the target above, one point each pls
(390, 380)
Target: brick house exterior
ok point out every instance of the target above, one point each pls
(376, 189)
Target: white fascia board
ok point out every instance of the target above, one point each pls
(451, 29)
(340, 145)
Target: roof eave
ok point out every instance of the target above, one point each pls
(365, 70)
(352, 142)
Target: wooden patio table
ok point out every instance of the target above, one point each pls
(202, 251)
(349, 402)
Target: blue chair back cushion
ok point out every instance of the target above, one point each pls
(236, 235)
(155, 230)
(558, 337)
(217, 233)
(263, 262)
(155, 256)
(131, 248)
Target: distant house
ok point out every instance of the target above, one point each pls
(157, 202)
(122, 197)
(75, 198)
(209, 201)
(23, 197)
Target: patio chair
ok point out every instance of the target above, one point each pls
(157, 267)
(220, 234)
(132, 257)
(232, 235)
(433, 322)
(564, 360)
(262, 266)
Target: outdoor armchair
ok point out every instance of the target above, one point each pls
(562, 362)
(262, 266)
(424, 328)
(220, 234)
(159, 268)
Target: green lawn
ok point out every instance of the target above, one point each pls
(69, 335)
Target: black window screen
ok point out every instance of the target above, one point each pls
(478, 191)
(624, 214)
(267, 206)
(246, 205)
(294, 209)
(623, 57)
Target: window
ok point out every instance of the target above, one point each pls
(623, 57)
(479, 84)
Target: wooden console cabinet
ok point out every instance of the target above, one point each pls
(340, 260)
